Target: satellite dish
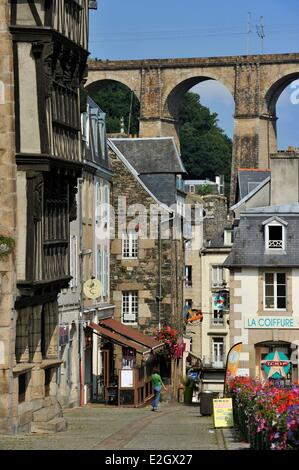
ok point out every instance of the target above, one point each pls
(92, 288)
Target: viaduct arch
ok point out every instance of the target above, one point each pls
(255, 83)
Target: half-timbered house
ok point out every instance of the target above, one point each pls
(50, 40)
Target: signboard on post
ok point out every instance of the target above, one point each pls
(223, 413)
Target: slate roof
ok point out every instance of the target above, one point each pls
(249, 241)
(218, 240)
(151, 155)
(249, 178)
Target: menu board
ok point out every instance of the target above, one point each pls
(126, 378)
(223, 413)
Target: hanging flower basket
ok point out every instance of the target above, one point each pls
(172, 341)
(7, 245)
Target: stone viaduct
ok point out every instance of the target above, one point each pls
(255, 82)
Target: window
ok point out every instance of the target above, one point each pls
(192, 188)
(275, 235)
(102, 268)
(99, 264)
(218, 318)
(22, 387)
(128, 358)
(188, 303)
(130, 307)
(98, 190)
(130, 245)
(188, 276)
(275, 291)
(217, 276)
(95, 134)
(48, 379)
(218, 351)
(228, 237)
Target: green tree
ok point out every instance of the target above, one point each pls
(206, 150)
(114, 99)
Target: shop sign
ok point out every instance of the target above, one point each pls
(223, 413)
(221, 301)
(276, 365)
(271, 322)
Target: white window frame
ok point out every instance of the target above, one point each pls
(274, 223)
(216, 356)
(217, 270)
(98, 202)
(129, 307)
(228, 237)
(130, 245)
(99, 264)
(275, 292)
(187, 267)
(192, 188)
(218, 315)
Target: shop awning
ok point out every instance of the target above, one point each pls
(118, 339)
(126, 336)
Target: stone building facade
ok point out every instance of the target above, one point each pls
(147, 268)
(49, 62)
(160, 293)
(264, 272)
(8, 173)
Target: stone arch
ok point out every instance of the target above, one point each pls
(173, 94)
(2, 93)
(97, 79)
(94, 87)
(97, 85)
(275, 90)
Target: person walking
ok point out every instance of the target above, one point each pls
(157, 384)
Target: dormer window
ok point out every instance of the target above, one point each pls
(275, 234)
(275, 231)
(228, 237)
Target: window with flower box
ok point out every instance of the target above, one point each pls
(130, 307)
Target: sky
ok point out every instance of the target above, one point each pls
(142, 29)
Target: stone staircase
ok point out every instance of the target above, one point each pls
(49, 419)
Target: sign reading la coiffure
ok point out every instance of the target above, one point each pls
(286, 323)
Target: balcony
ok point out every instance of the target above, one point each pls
(213, 362)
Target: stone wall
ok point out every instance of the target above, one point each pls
(142, 274)
(215, 219)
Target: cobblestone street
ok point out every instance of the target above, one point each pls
(98, 427)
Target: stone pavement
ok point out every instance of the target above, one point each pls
(100, 427)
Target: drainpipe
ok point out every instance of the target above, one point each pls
(81, 333)
(159, 297)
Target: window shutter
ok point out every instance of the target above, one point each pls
(74, 261)
(99, 265)
(106, 272)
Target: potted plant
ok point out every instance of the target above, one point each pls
(7, 245)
